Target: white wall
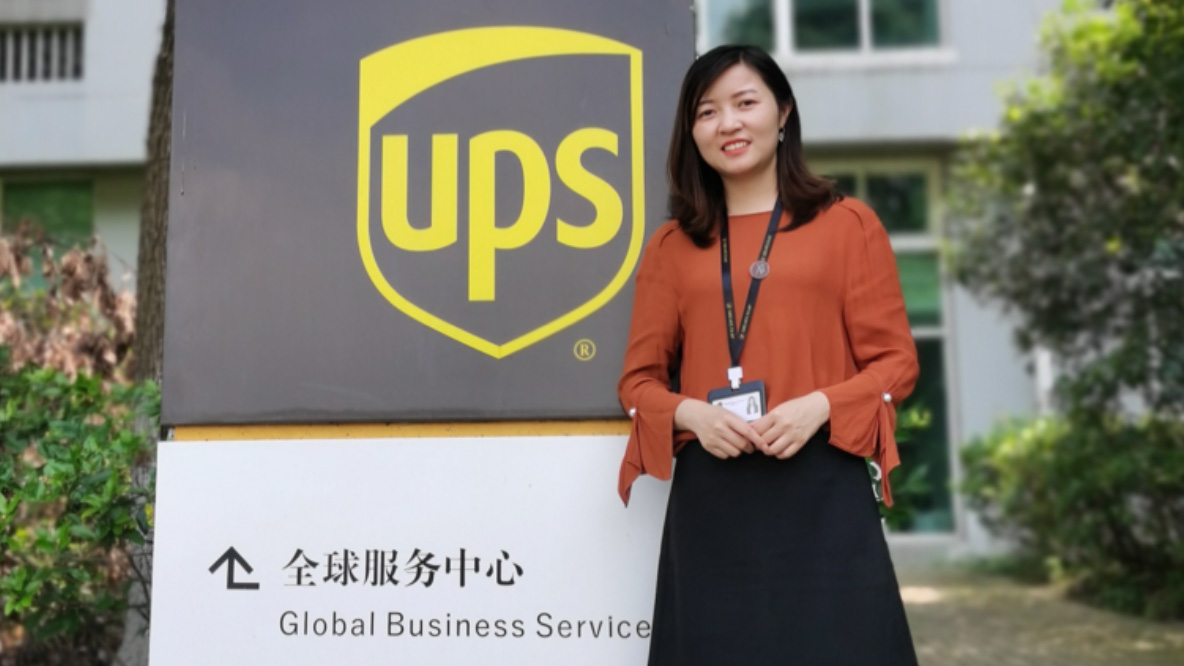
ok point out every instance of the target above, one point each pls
(993, 384)
(117, 223)
(100, 120)
(16, 11)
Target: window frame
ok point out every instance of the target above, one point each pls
(866, 56)
(926, 242)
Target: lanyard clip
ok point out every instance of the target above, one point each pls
(735, 375)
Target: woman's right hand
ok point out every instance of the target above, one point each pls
(720, 432)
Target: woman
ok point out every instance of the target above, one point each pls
(773, 551)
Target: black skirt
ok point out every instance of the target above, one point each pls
(767, 561)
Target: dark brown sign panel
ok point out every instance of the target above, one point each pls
(412, 211)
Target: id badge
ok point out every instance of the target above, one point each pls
(747, 402)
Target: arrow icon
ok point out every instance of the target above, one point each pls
(231, 557)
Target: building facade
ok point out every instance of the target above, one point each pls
(75, 92)
(884, 89)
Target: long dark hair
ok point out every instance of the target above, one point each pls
(696, 191)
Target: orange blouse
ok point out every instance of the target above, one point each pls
(829, 317)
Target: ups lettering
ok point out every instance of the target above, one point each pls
(486, 237)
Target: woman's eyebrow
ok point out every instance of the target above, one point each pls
(708, 100)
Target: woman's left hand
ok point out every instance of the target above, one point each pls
(791, 424)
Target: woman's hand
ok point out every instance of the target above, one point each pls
(791, 424)
(722, 433)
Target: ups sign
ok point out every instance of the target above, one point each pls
(412, 211)
(494, 241)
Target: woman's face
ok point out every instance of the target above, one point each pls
(736, 124)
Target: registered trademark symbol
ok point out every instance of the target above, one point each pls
(585, 349)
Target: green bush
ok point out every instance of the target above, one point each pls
(68, 504)
(70, 509)
(1099, 499)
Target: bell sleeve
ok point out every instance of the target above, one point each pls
(644, 387)
(863, 408)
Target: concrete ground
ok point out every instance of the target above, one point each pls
(965, 619)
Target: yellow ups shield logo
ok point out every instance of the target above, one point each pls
(569, 187)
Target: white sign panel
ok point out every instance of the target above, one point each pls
(471, 551)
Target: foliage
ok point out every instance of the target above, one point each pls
(69, 505)
(1023, 566)
(1072, 215)
(1100, 500)
(77, 323)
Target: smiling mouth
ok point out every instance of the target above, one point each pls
(733, 146)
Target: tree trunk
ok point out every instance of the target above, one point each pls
(154, 212)
(149, 345)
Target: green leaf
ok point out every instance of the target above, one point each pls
(83, 532)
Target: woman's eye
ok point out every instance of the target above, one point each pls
(748, 102)
(704, 113)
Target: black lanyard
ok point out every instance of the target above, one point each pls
(737, 335)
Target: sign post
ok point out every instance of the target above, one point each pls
(401, 249)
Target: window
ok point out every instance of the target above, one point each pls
(904, 23)
(921, 283)
(41, 52)
(805, 29)
(900, 200)
(741, 22)
(931, 447)
(62, 209)
(848, 24)
(904, 194)
(825, 24)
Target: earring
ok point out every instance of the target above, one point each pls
(781, 135)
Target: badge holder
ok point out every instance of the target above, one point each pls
(747, 402)
(744, 399)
